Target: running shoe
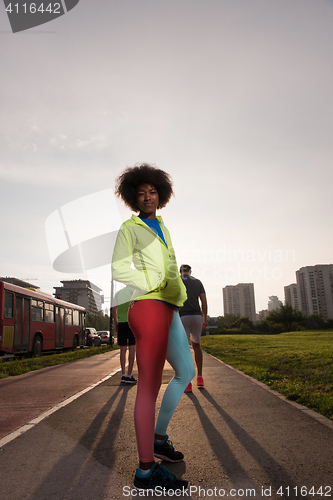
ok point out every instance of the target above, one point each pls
(200, 382)
(123, 379)
(160, 480)
(166, 451)
(130, 380)
(189, 387)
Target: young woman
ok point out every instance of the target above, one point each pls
(153, 317)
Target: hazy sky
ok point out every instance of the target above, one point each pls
(233, 98)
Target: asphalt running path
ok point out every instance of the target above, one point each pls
(27, 397)
(240, 441)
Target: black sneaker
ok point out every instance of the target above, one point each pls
(160, 480)
(130, 380)
(123, 379)
(166, 451)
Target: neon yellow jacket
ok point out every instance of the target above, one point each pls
(155, 274)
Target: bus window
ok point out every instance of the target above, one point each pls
(68, 316)
(49, 313)
(76, 318)
(36, 310)
(9, 301)
(82, 319)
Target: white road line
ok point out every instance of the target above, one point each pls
(29, 425)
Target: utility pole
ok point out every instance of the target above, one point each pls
(111, 303)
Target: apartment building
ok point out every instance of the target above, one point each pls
(262, 315)
(315, 290)
(291, 296)
(239, 300)
(81, 292)
(274, 303)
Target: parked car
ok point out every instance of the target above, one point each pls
(105, 337)
(92, 338)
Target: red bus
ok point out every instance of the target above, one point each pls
(33, 322)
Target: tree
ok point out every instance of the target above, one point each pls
(211, 321)
(329, 324)
(226, 321)
(98, 321)
(285, 316)
(314, 322)
(263, 326)
(242, 321)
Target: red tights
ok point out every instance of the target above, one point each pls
(149, 320)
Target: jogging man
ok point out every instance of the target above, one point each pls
(194, 318)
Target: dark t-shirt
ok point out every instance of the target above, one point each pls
(194, 288)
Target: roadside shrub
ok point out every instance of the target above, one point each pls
(263, 327)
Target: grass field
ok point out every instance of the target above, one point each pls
(18, 366)
(298, 365)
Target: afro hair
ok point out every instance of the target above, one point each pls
(128, 182)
